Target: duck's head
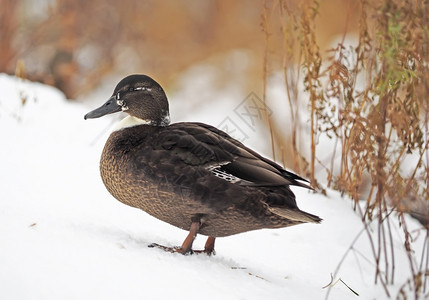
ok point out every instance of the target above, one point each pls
(141, 97)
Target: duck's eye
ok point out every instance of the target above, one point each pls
(118, 96)
(122, 104)
(131, 89)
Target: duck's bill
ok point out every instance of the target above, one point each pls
(111, 106)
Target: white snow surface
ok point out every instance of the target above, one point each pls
(63, 236)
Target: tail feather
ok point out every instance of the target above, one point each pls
(295, 215)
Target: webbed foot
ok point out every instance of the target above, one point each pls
(186, 247)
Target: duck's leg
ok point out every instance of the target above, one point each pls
(187, 244)
(209, 246)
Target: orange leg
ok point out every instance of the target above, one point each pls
(187, 244)
(209, 247)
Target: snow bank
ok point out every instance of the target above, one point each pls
(64, 237)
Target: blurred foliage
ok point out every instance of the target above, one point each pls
(74, 44)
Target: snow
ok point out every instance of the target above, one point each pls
(64, 237)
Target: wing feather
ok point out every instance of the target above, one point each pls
(205, 146)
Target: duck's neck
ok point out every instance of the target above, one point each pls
(130, 121)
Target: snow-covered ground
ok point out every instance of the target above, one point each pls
(62, 236)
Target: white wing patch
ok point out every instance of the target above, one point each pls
(223, 175)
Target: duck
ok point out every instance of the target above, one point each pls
(189, 174)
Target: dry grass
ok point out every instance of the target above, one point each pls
(372, 101)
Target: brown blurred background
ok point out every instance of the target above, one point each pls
(74, 44)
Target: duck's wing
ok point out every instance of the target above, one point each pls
(203, 145)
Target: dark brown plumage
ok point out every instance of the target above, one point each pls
(191, 175)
